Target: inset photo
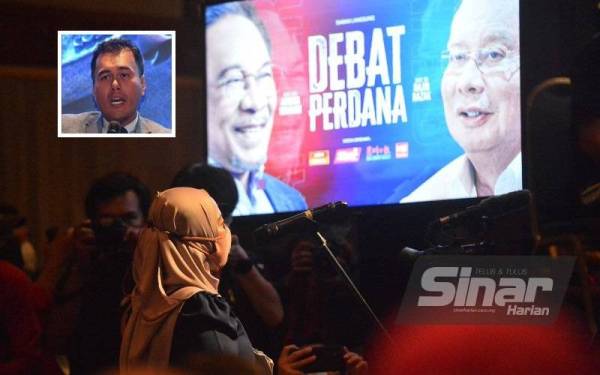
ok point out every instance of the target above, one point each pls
(116, 84)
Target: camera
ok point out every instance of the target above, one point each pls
(329, 358)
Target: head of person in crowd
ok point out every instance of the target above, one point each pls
(218, 182)
(117, 70)
(242, 96)
(10, 220)
(117, 205)
(481, 83)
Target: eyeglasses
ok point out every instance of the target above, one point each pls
(234, 83)
(489, 61)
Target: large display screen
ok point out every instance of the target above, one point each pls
(369, 102)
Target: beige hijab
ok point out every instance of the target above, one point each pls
(175, 258)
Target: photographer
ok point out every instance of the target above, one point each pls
(116, 206)
(322, 319)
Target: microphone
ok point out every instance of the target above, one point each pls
(115, 127)
(273, 229)
(490, 207)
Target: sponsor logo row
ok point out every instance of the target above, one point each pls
(353, 154)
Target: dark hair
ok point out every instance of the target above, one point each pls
(216, 12)
(218, 182)
(114, 46)
(585, 79)
(112, 186)
(9, 220)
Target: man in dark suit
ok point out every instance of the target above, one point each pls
(118, 87)
(242, 99)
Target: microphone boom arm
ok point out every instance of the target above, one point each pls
(356, 293)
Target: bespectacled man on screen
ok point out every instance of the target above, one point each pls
(119, 84)
(481, 96)
(242, 99)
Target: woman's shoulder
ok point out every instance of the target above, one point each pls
(209, 311)
(203, 303)
(207, 324)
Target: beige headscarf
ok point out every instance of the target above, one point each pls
(186, 239)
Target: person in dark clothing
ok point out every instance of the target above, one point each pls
(21, 305)
(585, 79)
(176, 310)
(319, 307)
(253, 298)
(116, 206)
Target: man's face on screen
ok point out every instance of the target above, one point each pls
(481, 83)
(241, 94)
(118, 87)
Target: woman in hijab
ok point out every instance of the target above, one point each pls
(175, 312)
(175, 309)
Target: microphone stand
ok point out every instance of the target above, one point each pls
(348, 281)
